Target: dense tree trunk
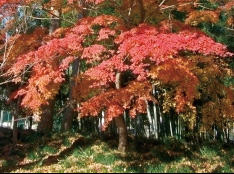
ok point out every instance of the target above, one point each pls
(46, 123)
(120, 124)
(69, 111)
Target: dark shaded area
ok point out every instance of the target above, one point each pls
(14, 154)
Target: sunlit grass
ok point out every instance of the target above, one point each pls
(208, 152)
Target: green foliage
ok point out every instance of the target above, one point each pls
(229, 81)
(89, 40)
(96, 28)
(33, 23)
(208, 5)
(179, 15)
(219, 31)
(106, 8)
(70, 16)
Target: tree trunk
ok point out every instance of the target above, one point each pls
(46, 123)
(142, 11)
(56, 6)
(122, 131)
(1, 117)
(69, 111)
(170, 123)
(151, 125)
(15, 130)
(156, 127)
(30, 123)
(120, 124)
(15, 122)
(179, 128)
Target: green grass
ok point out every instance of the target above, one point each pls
(8, 163)
(33, 156)
(208, 152)
(157, 168)
(92, 154)
(66, 142)
(49, 150)
(106, 159)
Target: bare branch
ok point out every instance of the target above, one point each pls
(162, 3)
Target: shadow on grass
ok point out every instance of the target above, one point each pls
(144, 155)
(10, 154)
(148, 155)
(38, 151)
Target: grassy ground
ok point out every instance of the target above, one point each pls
(74, 153)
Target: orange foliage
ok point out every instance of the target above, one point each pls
(82, 90)
(218, 99)
(22, 44)
(230, 21)
(184, 82)
(196, 17)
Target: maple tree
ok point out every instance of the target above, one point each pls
(139, 51)
(130, 45)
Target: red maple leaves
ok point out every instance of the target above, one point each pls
(138, 51)
(143, 46)
(50, 60)
(116, 101)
